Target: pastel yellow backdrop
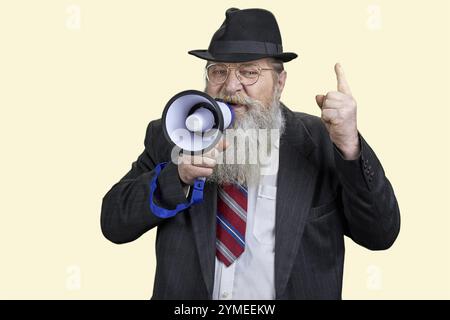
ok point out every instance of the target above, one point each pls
(80, 80)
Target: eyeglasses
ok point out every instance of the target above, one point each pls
(247, 74)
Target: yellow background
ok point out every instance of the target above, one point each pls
(76, 99)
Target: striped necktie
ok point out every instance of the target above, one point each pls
(231, 222)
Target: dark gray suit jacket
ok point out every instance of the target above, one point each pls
(320, 198)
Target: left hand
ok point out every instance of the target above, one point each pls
(339, 115)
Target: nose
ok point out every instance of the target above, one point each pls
(232, 85)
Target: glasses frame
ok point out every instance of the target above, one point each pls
(235, 72)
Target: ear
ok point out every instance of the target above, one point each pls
(282, 80)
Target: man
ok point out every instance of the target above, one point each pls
(263, 231)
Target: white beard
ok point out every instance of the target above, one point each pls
(257, 116)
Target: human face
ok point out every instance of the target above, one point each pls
(262, 90)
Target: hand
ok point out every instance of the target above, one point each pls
(339, 115)
(192, 167)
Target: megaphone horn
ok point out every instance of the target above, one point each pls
(190, 114)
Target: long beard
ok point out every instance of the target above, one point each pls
(237, 163)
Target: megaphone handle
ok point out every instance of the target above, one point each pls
(197, 195)
(197, 192)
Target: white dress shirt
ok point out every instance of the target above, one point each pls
(251, 276)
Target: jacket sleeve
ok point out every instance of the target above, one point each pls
(370, 206)
(125, 212)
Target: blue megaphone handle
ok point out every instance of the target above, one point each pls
(197, 195)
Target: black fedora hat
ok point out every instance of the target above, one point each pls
(246, 35)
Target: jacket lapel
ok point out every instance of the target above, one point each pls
(295, 186)
(203, 217)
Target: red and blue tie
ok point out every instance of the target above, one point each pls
(231, 222)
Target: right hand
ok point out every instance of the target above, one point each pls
(192, 167)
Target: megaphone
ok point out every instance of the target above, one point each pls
(194, 122)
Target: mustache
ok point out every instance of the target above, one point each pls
(237, 99)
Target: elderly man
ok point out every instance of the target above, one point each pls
(259, 234)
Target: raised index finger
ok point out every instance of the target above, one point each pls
(342, 84)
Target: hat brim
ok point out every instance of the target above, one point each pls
(241, 57)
